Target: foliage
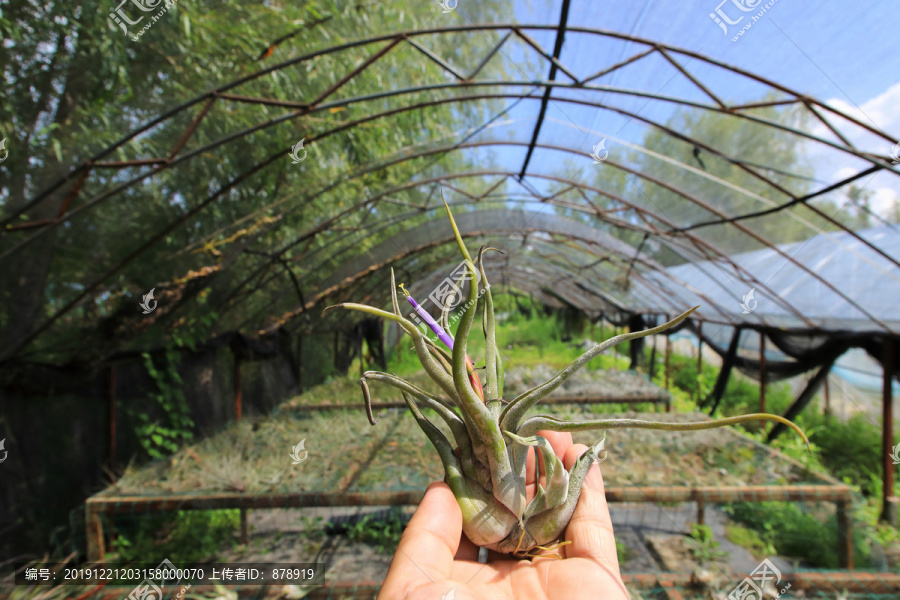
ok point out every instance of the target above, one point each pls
(188, 536)
(163, 438)
(623, 552)
(704, 546)
(755, 144)
(869, 513)
(383, 533)
(794, 530)
(75, 85)
(849, 451)
(683, 372)
(313, 527)
(749, 539)
(157, 439)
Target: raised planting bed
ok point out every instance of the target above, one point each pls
(347, 462)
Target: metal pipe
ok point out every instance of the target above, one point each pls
(238, 392)
(699, 357)
(888, 500)
(111, 404)
(762, 373)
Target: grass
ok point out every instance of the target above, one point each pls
(184, 537)
(382, 533)
(849, 451)
(253, 456)
(705, 549)
(522, 340)
(749, 539)
(806, 532)
(623, 553)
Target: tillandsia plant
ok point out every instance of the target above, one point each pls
(492, 435)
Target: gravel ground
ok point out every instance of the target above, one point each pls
(601, 384)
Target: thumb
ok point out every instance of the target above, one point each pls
(429, 543)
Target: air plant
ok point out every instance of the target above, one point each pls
(493, 436)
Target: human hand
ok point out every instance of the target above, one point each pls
(435, 558)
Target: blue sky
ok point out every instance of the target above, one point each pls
(827, 48)
(844, 54)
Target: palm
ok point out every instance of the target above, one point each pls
(435, 561)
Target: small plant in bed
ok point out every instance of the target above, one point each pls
(185, 537)
(381, 531)
(704, 547)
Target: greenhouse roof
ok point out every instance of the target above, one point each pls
(619, 172)
(859, 291)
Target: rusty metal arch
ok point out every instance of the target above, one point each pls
(79, 174)
(624, 257)
(352, 275)
(174, 159)
(581, 186)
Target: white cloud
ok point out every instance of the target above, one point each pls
(881, 112)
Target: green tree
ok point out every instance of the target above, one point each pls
(75, 84)
(718, 188)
